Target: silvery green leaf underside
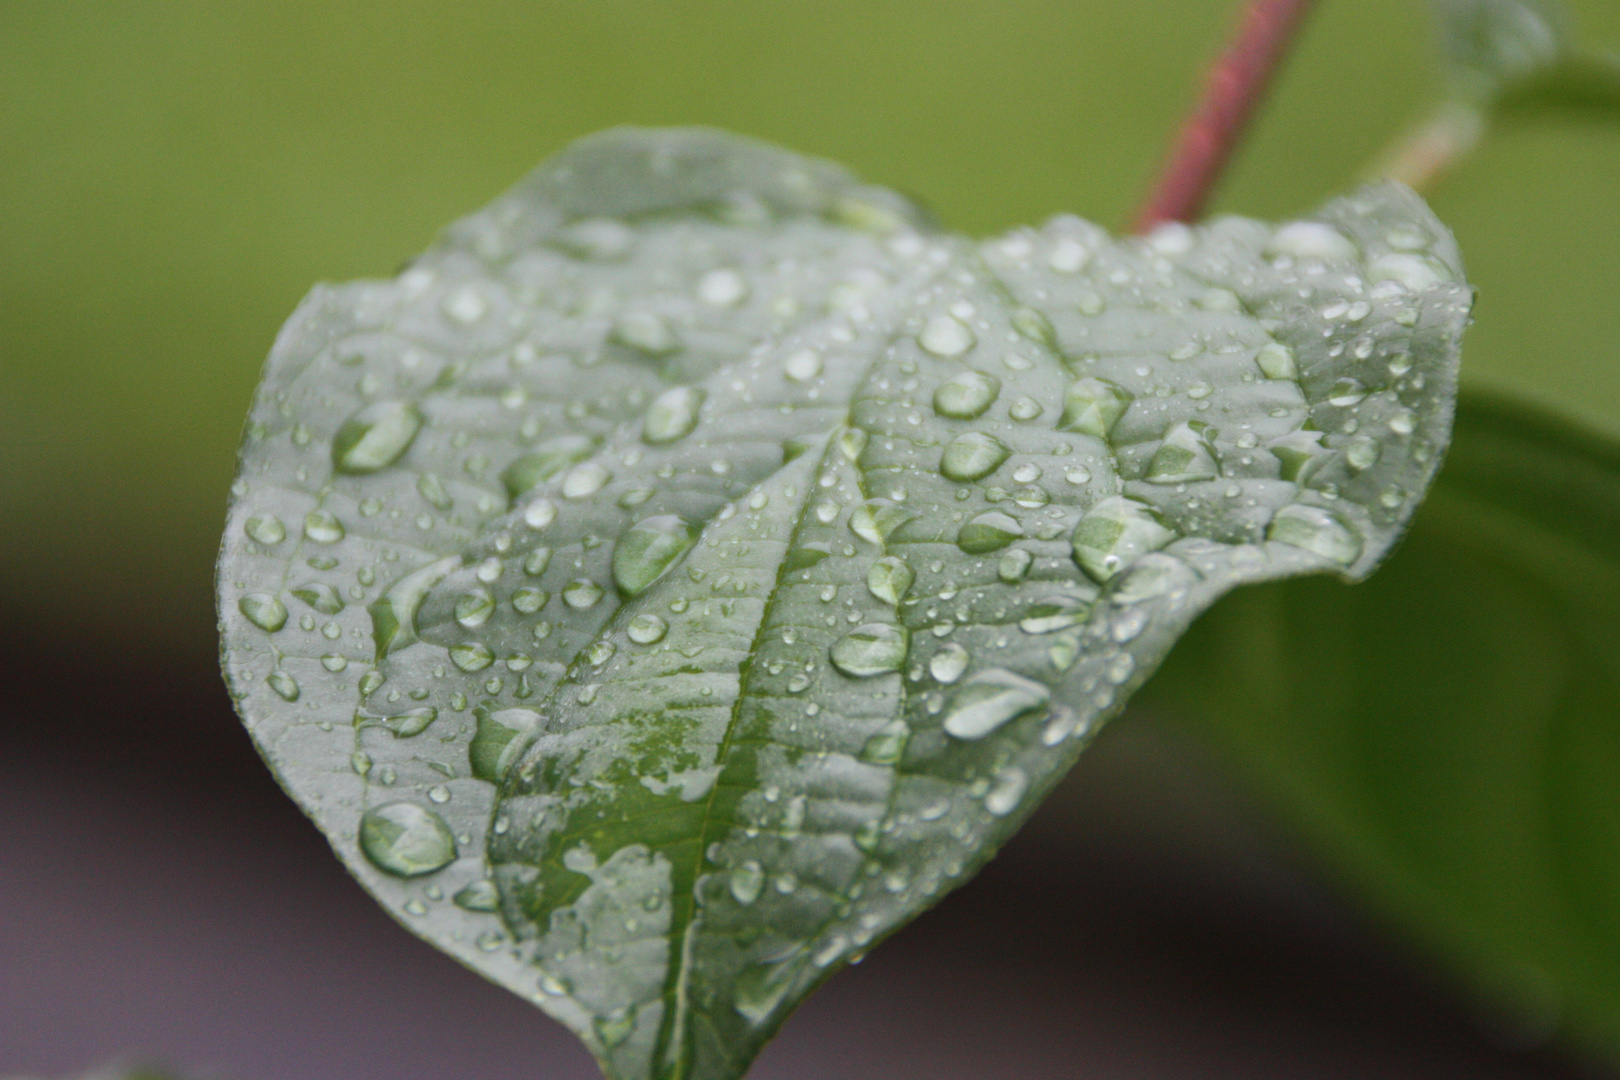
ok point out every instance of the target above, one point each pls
(696, 564)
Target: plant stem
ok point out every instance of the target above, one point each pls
(1422, 155)
(1213, 131)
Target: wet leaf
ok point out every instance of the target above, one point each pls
(1448, 731)
(731, 561)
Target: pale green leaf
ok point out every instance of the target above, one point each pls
(696, 565)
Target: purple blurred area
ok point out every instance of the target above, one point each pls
(160, 898)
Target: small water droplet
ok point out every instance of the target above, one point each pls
(320, 596)
(474, 608)
(1007, 792)
(479, 896)
(586, 479)
(1362, 453)
(1068, 256)
(1052, 614)
(543, 462)
(646, 332)
(1311, 240)
(1184, 457)
(406, 840)
(746, 882)
(802, 365)
(1316, 530)
(1276, 361)
(471, 656)
(888, 745)
(322, 527)
(283, 684)
(647, 549)
(722, 288)
(647, 629)
(1014, 566)
(535, 563)
(334, 662)
(966, 395)
(876, 519)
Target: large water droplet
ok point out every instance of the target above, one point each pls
(1093, 407)
(323, 527)
(672, 415)
(411, 722)
(1276, 361)
(1183, 457)
(528, 599)
(1299, 454)
(479, 896)
(500, 739)
(888, 745)
(990, 699)
(1116, 531)
(966, 395)
(1007, 792)
(889, 579)
(320, 596)
(972, 456)
(471, 656)
(584, 480)
(746, 882)
(263, 611)
(646, 550)
(1416, 272)
(545, 461)
(393, 615)
(267, 529)
(474, 608)
(1014, 566)
(1034, 325)
(722, 288)
(990, 531)
(647, 629)
(1317, 530)
(285, 686)
(949, 663)
(876, 519)
(946, 336)
(646, 332)
(1311, 240)
(375, 436)
(871, 649)
(582, 593)
(406, 840)
(802, 365)
(1153, 576)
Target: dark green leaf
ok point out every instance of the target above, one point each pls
(730, 561)
(1449, 730)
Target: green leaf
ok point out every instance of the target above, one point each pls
(1488, 45)
(730, 561)
(1448, 730)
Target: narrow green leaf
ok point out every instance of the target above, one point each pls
(866, 528)
(1448, 730)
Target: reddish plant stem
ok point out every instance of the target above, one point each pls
(1213, 131)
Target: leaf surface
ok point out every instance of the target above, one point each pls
(697, 564)
(1448, 730)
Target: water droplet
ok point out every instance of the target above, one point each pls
(647, 629)
(1219, 300)
(1114, 533)
(474, 608)
(1311, 240)
(600, 653)
(479, 896)
(1007, 792)
(543, 462)
(334, 662)
(947, 336)
(375, 436)
(1316, 530)
(1014, 566)
(1276, 361)
(1299, 455)
(966, 395)
(972, 456)
(1153, 576)
(875, 520)
(471, 656)
(1415, 272)
(1093, 407)
(1034, 325)
(1362, 453)
(672, 415)
(393, 616)
(746, 882)
(646, 332)
(870, 649)
(888, 745)
(529, 599)
(586, 479)
(1068, 256)
(322, 527)
(949, 663)
(267, 529)
(1346, 392)
(1404, 422)
(283, 684)
(431, 488)
(889, 579)
(1025, 409)
(647, 549)
(722, 288)
(989, 700)
(1052, 614)
(263, 611)
(1184, 456)
(320, 596)
(988, 532)
(581, 593)
(406, 840)
(802, 365)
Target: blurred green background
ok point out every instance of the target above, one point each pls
(175, 176)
